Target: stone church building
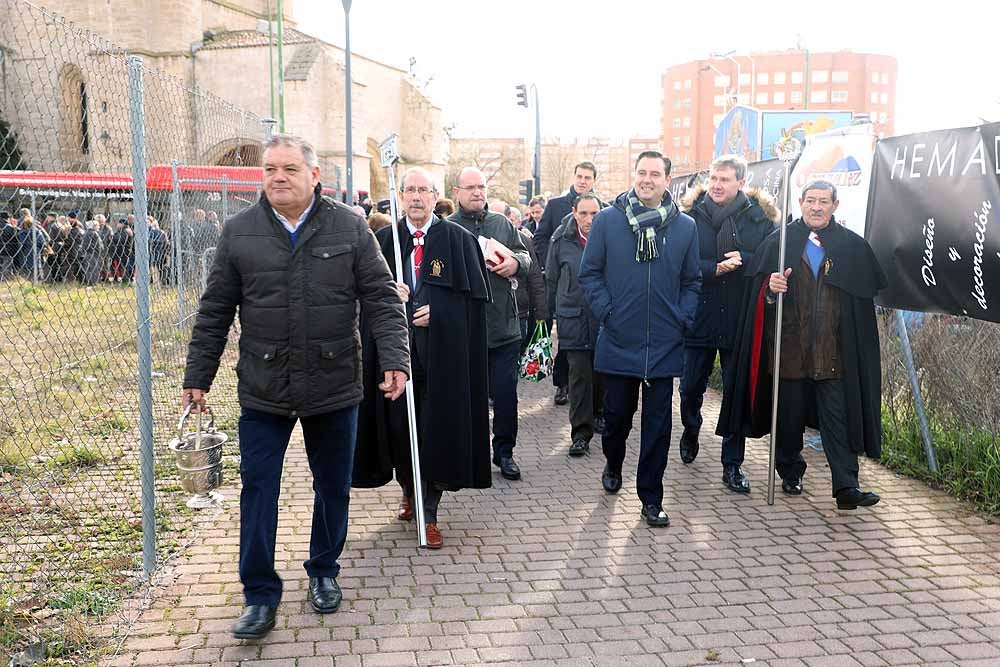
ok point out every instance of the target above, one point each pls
(64, 88)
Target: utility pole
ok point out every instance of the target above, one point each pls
(281, 70)
(349, 149)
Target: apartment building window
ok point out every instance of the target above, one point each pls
(796, 97)
(721, 81)
(779, 78)
(743, 98)
(820, 75)
(883, 117)
(677, 104)
(686, 103)
(838, 96)
(839, 76)
(687, 84)
(883, 98)
(761, 98)
(720, 100)
(744, 79)
(687, 121)
(687, 142)
(677, 85)
(779, 98)
(796, 77)
(817, 96)
(874, 98)
(874, 77)
(763, 78)
(677, 142)
(677, 122)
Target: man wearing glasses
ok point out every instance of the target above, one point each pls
(503, 326)
(445, 289)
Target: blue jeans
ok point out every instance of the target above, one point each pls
(329, 441)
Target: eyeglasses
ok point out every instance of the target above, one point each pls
(422, 190)
(473, 188)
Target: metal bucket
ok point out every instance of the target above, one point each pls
(199, 460)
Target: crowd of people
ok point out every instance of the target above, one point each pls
(643, 290)
(65, 248)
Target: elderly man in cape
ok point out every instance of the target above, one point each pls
(830, 368)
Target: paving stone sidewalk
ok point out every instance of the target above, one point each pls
(552, 571)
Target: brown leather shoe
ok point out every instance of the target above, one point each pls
(405, 509)
(434, 539)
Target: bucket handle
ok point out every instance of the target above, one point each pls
(187, 413)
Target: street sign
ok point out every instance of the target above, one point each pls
(389, 150)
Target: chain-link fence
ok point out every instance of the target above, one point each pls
(956, 363)
(71, 538)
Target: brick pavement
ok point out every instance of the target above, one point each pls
(552, 571)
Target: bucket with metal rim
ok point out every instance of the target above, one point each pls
(199, 459)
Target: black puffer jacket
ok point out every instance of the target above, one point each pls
(721, 305)
(300, 350)
(530, 293)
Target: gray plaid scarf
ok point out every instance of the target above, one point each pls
(644, 222)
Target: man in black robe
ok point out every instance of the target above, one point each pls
(445, 287)
(830, 368)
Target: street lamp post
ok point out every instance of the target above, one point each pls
(349, 149)
(281, 69)
(710, 66)
(729, 57)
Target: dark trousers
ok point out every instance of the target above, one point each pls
(621, 399)
(560, 368)
(503, 389)
(698, 363)
(795, 397)
(329, 440)
(586, 394)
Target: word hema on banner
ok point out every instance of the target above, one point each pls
(932, 221)
(843, 157)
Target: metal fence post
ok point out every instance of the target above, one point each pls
(177, 218)
(225, 198)
(918, 399)
(143, 322)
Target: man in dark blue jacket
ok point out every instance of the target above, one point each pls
(640, 275)
(731, 224)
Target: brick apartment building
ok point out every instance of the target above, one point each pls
(697, 94)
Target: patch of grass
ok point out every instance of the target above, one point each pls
(86, 601)
(78, 456)
(968, 463)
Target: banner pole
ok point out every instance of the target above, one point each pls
(918, 399)
(390, 155)
(787, 148)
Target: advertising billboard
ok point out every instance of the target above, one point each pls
(738, 133)
(800, 124)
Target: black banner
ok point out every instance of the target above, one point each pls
(933, 223)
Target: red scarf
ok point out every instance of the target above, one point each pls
(583, 239)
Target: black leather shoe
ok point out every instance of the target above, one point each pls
(792, 486)
(508, 468)
(611, 480)
(734, 478)
(852, 499)
(689, 445)
(655, 516)
(255, 621)
(562, 395)
(579, 447)
(324, 594)
(599, 425)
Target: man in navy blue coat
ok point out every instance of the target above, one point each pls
(641, 277)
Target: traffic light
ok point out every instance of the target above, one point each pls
(522, 95)
(527, 190)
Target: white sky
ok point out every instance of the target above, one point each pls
(597, 65)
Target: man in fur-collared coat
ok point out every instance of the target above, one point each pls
(731, 224)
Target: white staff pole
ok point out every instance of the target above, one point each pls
(787, 149)
(389, 152)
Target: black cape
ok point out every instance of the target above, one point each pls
(855, 272)
(450, 356)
